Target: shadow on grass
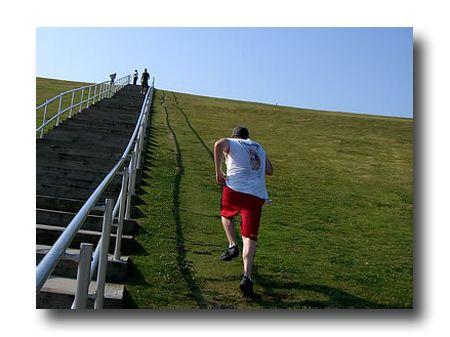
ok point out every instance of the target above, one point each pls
(276, 295)
(188, 122)
(136, 278)
(182, 264)
(150, 145)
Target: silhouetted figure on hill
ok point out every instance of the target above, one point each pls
(144, 81)
(135, 77)
(113, 78)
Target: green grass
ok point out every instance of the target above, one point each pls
(338, 235)
(47, 88)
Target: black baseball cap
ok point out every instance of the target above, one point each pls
(240, 132)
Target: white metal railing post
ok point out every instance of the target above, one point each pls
(59, 110)
(133, 171)
(43, 118)
(71, 104)
(122, 207)
(89, 96)
(140, 147)
(103, 258)
(81, 100)
(94, 97)
(83, 279)
(130, 187)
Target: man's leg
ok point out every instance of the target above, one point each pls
(228, 227)
(233, 250)
(251, 216)
(248, 253)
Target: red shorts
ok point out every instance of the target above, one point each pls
(249, 206)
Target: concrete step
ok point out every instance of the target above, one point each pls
(73, 192)
(121, 104)
(88, 184)
(83, 123)
(47, 235)
(71, 150)
(53, 179)
(64, 144)
(59, 179)
(116, 270)
(85, 135)
(69, 205)
(115, 106)
(59, 293)
(104, 118)
(93, 222)
(50, 174)
(118, 106)
(86, 138)
(104, 130)
(77, 162)
(63, 204)
(67, 167)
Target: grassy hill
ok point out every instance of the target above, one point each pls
(338, 235)
(47, 88)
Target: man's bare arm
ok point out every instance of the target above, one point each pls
(221, 146)
(269, 167)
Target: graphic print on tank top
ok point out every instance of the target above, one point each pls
(255, 162)
(253, 155)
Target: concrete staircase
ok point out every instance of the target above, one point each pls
(71, 160)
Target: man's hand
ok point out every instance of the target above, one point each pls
(220, 178)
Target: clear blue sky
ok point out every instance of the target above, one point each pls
(365, 70)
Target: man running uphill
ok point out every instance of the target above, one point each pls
(244, 191)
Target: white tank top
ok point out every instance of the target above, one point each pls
(246, 167)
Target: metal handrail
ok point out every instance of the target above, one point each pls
(105, 89)
(50, 260)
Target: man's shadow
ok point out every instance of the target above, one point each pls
(275, 295)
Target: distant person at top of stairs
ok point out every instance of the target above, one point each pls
(135, 77)
(113, 78)
(144, 81)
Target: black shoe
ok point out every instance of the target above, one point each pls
(230, 253)
(246, 286)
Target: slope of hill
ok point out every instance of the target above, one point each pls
(338, 235)
(47, 88)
